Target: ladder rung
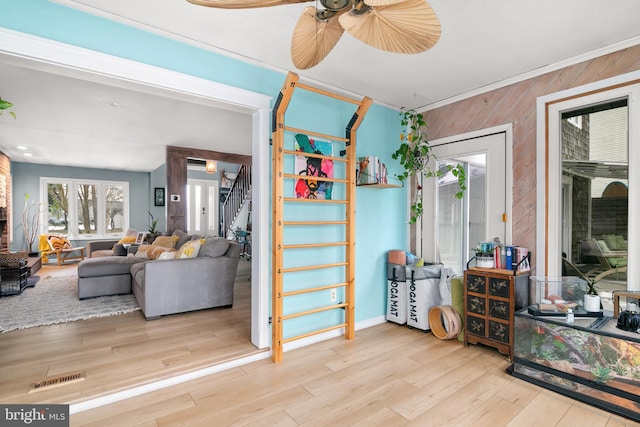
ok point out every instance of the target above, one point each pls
(320, 135)
(314, 245)
(319, 331)
(313, 311)
(315, 222)
(301, 200)
(326, 93)
(316, 289)
(314, 155)
(314, 267)
(315, 178)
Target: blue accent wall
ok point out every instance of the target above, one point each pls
(26, 180)
(381, 214)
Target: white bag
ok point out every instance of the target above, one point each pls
(396, 293)
(423, 293)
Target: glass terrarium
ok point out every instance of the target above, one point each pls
(554, 296)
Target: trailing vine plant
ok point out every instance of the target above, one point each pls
(415, 154)
(5, 105)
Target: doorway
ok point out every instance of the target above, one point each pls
(455, 226)
(202, 207)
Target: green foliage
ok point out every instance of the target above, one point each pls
(415, 154)
(601, 374)
(5, 105)
(154, 224)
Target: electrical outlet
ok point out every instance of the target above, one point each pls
(333, 295)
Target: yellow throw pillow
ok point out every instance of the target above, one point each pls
(166, 241)
(127, 239)
(190, 249)
(58, 242)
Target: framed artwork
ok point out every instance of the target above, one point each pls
(140, 236)
(310, 188)
(158, 197)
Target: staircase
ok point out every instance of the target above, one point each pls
(235, 199)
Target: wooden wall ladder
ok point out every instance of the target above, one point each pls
(282, 201)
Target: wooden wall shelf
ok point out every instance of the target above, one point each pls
(380, 185)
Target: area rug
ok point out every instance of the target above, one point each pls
(55, 300)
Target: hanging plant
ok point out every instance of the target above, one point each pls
(415, 155)
(5, 105)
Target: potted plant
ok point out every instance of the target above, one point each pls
(30, 222)
(153, 229)
(5, 105)
(416, 156)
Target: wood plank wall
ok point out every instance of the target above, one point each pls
(516, 104)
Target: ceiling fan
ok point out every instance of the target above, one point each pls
(402, 26)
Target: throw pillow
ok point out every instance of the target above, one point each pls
(166, 241)
(155, 251)
(142, 251)
(214, 247)
(131, 232)
(127, 239)
(190, 249)
(58, 242)
(168, 255)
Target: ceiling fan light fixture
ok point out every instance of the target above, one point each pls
(335, 4)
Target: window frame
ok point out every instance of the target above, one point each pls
(101, 226)
(548, 157)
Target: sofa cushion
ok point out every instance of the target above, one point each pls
(102, 253)
(166, 241)
(182, 238)
(214, 247)
(106, 266)
(190, 249)
(137, 274)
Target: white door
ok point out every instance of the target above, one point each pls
(202, 207)
(451, 228)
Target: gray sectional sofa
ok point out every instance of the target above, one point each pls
(179, 285)
(167, 286)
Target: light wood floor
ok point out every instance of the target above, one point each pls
(118, 352)
(389, 375)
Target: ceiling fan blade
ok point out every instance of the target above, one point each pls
(407, 27)
(244, 4)
(381, 2)
(313, 39)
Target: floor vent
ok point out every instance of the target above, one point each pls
(59, 380)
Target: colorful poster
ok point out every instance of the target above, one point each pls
(310, 188)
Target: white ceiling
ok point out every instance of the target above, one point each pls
(483, 43)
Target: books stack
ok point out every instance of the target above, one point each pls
(371, 171)
(510, 257)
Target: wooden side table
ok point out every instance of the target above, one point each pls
(34, 264)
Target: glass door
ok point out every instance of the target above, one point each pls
(480, 215)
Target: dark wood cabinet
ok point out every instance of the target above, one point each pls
(490, 301)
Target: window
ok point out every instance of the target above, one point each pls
(85, 209)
